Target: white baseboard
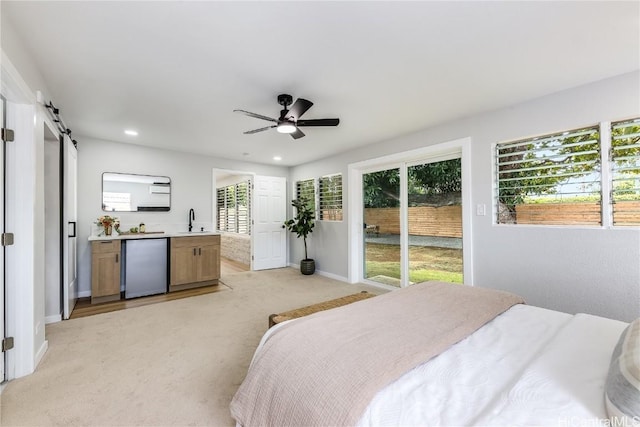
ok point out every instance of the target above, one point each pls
(84, 294)
(333, 276)
(53, 319)
(40, 353)
(324, 273)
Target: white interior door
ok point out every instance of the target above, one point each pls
(69, 221)
(269, 214)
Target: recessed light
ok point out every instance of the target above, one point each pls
(277, 158)
(131, 132)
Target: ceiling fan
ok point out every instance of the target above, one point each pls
(289, 120)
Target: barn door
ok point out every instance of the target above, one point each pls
(69, 226)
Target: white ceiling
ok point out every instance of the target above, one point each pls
(176, 70)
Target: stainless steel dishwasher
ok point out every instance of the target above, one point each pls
(144, 267)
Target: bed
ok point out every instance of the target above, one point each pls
(516, 365)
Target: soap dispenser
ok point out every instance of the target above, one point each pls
(142, 227)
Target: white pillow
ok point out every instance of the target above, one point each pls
(622, 389)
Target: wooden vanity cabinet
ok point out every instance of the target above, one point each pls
(195, 261)
(105, 271)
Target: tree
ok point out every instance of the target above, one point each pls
(382, 189)
(625, 146)
(540, 165)
(303, 222)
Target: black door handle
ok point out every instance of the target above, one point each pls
(74, 229)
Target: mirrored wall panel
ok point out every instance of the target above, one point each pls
(122, 192)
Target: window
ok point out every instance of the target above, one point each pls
(116, 201)
(330, 198)
(552, 179)
(307, 189)
(625, 172)
(233, 204)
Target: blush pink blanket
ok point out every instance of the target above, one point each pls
(325, 368)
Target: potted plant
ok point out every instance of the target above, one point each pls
(302, 224)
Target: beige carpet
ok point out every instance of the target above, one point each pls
(173, 363)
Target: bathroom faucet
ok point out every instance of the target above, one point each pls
(192, 216)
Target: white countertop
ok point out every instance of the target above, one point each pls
(154, 235)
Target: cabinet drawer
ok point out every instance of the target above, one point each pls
(191, 241)
(105, 246)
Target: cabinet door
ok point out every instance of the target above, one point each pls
(209, 262)
(105, 274)
(184, 265)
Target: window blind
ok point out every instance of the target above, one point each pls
(306, 189)
(234, 208)
(243, 193)
(221, 207)
(230, 201)
(624, 159)
(552, 179)
(330, 198)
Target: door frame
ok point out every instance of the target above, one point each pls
(214, 200)
(214, 210)
(461, 147)
(3, 289)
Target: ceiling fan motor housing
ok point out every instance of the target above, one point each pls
(285, 100)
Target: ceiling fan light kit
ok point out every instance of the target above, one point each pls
(286, 127)
(289, 118)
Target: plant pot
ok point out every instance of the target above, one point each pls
(307, 266)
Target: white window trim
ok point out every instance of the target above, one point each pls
(461, 147)
(605, 184)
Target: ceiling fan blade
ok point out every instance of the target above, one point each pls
(249, 132)
(318, 122)
(297, 134)
(257, 116)
(298, 108)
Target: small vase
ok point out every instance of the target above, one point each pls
(107, 230)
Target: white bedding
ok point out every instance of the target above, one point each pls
(529, 366)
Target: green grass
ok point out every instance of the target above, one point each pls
(425, 263)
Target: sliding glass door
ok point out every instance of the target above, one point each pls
(381, 199)
(413, 223)
(434, 219)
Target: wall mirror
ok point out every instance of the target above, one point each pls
(123, 192)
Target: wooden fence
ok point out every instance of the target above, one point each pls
(625, 213)
(559, 213)
(443, 221)
(446, 221)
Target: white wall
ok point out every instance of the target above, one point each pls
(191, 187)
(572, 269)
